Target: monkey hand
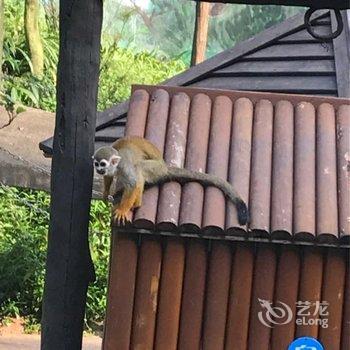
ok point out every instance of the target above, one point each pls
(120, 216)
(105, 197)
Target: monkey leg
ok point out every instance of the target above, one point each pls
(138, 200)
(118, 193)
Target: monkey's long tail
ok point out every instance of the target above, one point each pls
(183, 175)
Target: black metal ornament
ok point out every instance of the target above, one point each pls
(333, 35)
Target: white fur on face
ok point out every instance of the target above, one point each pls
(105, 167)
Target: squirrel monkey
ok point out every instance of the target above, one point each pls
(136, 162)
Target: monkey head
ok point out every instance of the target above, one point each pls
(106, 160)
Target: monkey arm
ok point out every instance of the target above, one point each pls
(131, 198)
(130, 179)
(107, 182)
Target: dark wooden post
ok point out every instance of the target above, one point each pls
(200, 36)
(69, 268)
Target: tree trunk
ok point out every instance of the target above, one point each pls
(31, 20)
(200, 37)
(68, 265)
(2, 30)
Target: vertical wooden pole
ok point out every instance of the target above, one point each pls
(69, 268)
(200, 36)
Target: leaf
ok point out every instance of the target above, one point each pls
(20, 109)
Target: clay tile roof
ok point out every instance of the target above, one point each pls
(287, 155)
(166, 293)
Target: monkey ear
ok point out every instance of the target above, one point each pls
(115, 160)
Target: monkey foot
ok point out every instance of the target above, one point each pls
(120, 217)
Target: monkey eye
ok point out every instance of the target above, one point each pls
(103, 163)
(96, 163)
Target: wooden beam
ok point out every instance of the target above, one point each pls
(69, 268)
(342, 56)
(320, 4)
(200, 36)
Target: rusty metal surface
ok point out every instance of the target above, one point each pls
(168, 314)
(240, 155)
(186, 293)
(239, 297)
(137, 114)
(286, 291)
(263, 289)
(343, 157)
(146, 294)
(121, 287)
(326, 168)
(282, 171)
(304, 171)
(196, 160)
(260, 183)
(333, 293)
(287, 156)
(175, 150)
(345, 339)
(214, 200)
(193, 296)
(155, 130)
(217, 296)
(310, 287)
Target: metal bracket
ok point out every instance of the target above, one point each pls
(336, 33)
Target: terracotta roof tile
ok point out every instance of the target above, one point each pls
(333, 293)
(286, 291)
(216, 296)
(146, 294)
(192, 303)
(166, 293)
(169, 302)
(343, 164)
(345, 344)
(287, 156)
(121, 289)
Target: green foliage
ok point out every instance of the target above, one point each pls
(20, 85)
(170, 26)
(165, 29)
(240, 22)
(120, 67)
(24, 221)
(23, 228)
(99, 245)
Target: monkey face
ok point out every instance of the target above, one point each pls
(106, 160)
(106, 167)
(102, 166)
